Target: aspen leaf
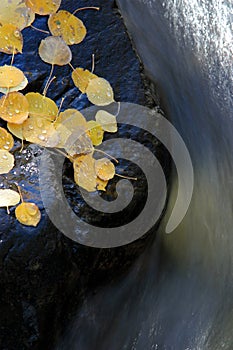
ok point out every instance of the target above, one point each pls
(67, 123)
(99, 92)
(78, 142)
(11, 79)
(16, 12)
(14, 108)
(104, 169)
(101, 184)
(11, 39)
(8, 198)
(28, 214)
(6, 140)
(16, 130)
(54, 50)
(41, 106)
(71, 118)
(84, 174)
(95, 132)
(6, 161)
(107, 121)
(40, 131)
(66, 25)
(43, 7)
(81, 78)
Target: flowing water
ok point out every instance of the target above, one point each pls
(179, 294)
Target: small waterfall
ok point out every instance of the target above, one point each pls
(178, 295)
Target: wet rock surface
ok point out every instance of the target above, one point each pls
(44, 275)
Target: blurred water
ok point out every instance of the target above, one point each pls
(179, 294)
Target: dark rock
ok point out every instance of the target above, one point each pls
(44, 275)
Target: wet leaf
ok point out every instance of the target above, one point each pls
(81, 78)
(6, 140)
(17, 13)
(67, 123)
(11, 39)
(84, 172)
(11, 79)
(69, 27)
(16, 130)
(99, 92)
(28, 214)
(54, 50)
(78, 142)
(14, 108)
(101, 184)
(6, 161)
(8, 198)
(95, 132)
(40, 131)
(104, 169)
(107, 121)
(41, 106)
(43, 7)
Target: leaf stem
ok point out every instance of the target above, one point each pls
(86, 8)
(39, 30)
(100, 151)
(48, 81)
(127, 177)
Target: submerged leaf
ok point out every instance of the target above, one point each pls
(7, 161)
(99, 92)
(43, 7)
(6, 140)
(81, 78)
(8, 198)
(17, 13)
(11, 39)
(14, 108)
(107, 121)
(105, 169)
(28, 214)
(41, 106)
(54, 50)
(95, 132)
(66, 25)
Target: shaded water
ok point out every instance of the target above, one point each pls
(179, 294)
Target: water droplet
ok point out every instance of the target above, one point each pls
(17, 111)
(41, 137)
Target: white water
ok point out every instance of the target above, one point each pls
(179, 294)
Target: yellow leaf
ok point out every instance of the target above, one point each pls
(43, 7)
(40, 131)
(69, 27)
(99, 92)
(28, 214)
(6, 161)
(84, 173)
(105, 169)
(81, 78)
(16, 130)
(107, 121)
(95, 132)
(8, 198)
(101, 184)
(16, 12)
(41, 106)
(6, 140)
(11, 78)
(71, 118)
(11, 39)
(54, 50)
(14, 108)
